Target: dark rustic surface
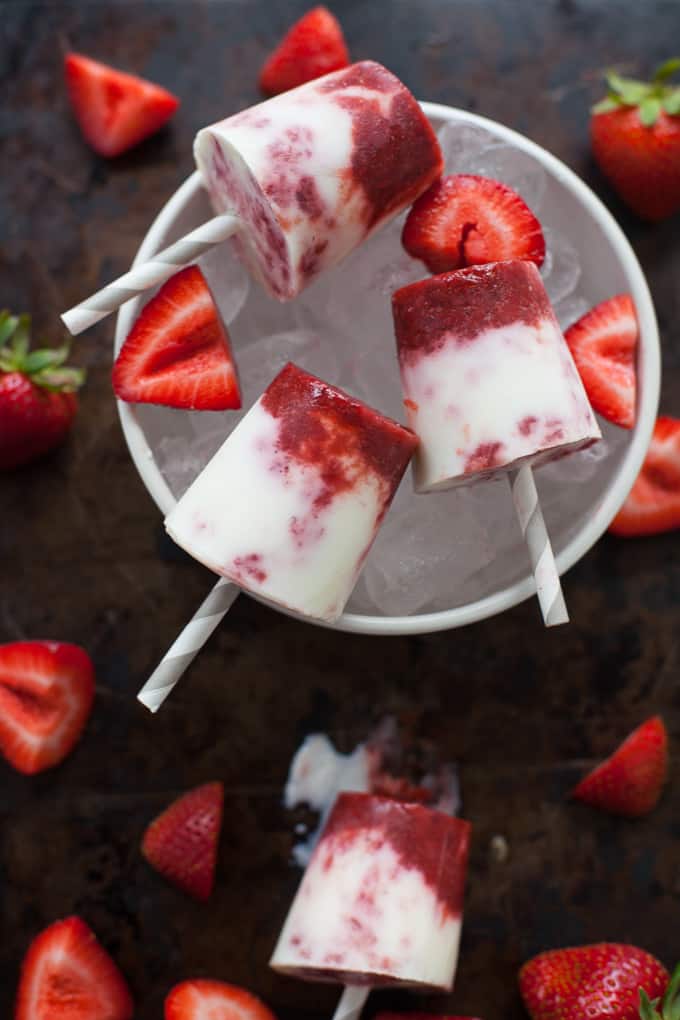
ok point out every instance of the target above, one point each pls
(523, 710)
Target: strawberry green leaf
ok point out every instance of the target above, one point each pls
(670, 1007)
(64, 380)
(650, 110)
(612, 102)
(8, 323)
(36, 361)
(671, 103)
(667, 69)
(632, 93)
(648, 1008)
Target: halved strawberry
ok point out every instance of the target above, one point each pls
(313, 46)
(202, 999)
(653, 504)
(182, 842)
(178, 352)
(67, 975)
(603, 344)
(467, 220)
(46, 693)
(630, 781)
(115, 110)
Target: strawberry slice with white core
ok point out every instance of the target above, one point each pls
(604, 344)
(67, 975)
(46, 693)
(653, 504)
(178, 352)
(115, 110)
(203, 999)
(467, 220)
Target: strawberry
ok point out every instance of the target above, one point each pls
(115, 110)
(653, 504)
(466, 220)
(67, 975)
(604, 345)
(630, 781)
(202, 999)
(37, 394)
(313, 46)
(600, 982)
(635, 135)
(46, 694)
(178, 352)
(182, 842)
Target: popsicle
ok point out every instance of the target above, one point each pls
(300, 180)
(381, 900)
(289, 505)
(490, 387)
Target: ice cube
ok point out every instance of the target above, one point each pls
(561, 269)
(262, 360)
(515, 168)
(462, 145)
(426, 547)
(570, 309)
(228, 280)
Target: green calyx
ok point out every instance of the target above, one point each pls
(45, 368)
(650, 98)
(670, 1004)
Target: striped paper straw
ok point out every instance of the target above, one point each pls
(188, 644)
(351, 1002)
(530, 517)
(150, 274)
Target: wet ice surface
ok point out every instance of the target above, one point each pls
(436, 551)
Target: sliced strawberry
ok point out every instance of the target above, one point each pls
(46, 693)
(313, 46)
(178, 352)
(67, 975)
(202, 999)
(115, 110)
(653, 504)
(630, 781)
(466, 220)
(604, 345)
(181, 843)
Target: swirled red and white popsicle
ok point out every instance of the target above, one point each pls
(289, 505)
(299, 180)
(381, 900)
(490, 387)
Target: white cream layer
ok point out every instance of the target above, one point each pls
(515, 385)
(360, 912)
(250, 516)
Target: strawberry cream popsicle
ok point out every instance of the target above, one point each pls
(381, 900)
(489, 383)
(289, 505)
(315, 170)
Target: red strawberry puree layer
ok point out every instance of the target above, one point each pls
(312, 172)
(382, 898)
(487, 377)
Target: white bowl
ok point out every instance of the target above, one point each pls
(609, 265)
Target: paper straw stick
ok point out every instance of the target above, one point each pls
(530, 516)
(149, 274)
(351, 1002)
(188, 644)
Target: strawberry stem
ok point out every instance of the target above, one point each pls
(670, 1004)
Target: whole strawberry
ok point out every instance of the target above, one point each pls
(37, 394)
(635, 135)
(606, 981)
